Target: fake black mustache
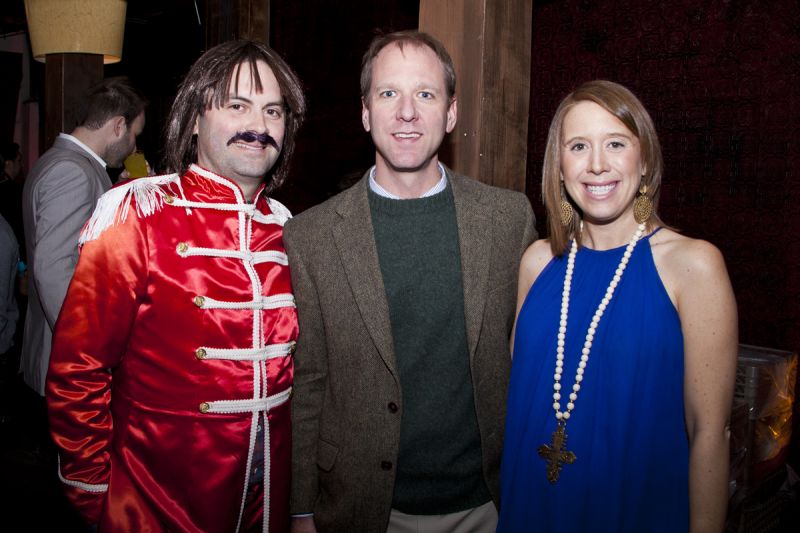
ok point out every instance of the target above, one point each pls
(250, 136)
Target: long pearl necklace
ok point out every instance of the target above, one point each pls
(556, 453)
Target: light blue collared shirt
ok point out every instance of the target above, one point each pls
(380, 191)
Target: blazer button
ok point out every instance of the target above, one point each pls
(392, 407)
(386, 465)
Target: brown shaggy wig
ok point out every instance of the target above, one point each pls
(207, 85)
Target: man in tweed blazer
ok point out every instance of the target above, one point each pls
(59, 196)
(405, 287)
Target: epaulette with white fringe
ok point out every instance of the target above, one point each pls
(112, 208)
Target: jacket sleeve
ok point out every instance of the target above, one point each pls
(64, 201)
(89, 341)
(310, 379)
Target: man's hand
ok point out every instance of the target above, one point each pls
(303, 524)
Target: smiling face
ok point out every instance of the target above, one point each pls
(220, 146)
(407, 112)
(600, 162)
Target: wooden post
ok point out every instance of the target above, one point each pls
(227, 20)
(490, 43)
(67, 76)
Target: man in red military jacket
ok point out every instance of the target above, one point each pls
(171, 371)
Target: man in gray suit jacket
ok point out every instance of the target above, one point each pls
(405, 287)
(59, 196)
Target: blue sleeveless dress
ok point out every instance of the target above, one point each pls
(627, 428)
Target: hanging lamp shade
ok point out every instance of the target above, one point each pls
(76, 26)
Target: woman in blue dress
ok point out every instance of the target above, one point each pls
(625, 343)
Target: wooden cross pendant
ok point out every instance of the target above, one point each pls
(556, 454)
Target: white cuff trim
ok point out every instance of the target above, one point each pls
(88, 487)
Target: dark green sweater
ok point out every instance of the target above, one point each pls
(439, 468)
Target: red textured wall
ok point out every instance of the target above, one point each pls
(721, 81)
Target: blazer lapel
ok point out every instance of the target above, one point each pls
(355, 241)
(474, 235)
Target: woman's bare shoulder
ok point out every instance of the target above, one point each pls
(533, 262)
(679, 252)
(684, 262)
(537, 255)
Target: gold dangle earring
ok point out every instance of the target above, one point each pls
(566, 208)
(642, 206)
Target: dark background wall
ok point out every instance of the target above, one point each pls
(11, 67)
(324, 41)
(161, 43)
(720, 80)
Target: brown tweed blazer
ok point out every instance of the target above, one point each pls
(347, 401)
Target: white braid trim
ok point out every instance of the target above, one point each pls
(277, 301)
(251, 257)
(250, 405)
(88, 487)
(113, 206)
(261, 218)
(280, 211)
(267, 476)
(249, 354)
(270, 256)
(245, 208)
(250, 449)
(264, 302)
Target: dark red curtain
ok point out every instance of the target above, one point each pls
(721, 81)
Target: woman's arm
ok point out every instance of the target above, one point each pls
(533, 262)
(707, 310)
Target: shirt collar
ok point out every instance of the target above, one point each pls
(380, 191)
(71, 138)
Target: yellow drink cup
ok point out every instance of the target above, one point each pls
(136, 165)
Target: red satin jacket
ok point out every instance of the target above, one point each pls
(173, 343)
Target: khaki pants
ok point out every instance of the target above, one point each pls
(481, 519)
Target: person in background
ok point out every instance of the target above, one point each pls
(171, 369)
(625, 347)
(405, 289)
(11, 179)
(11, 163)
(9, 313)
(59, 195)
